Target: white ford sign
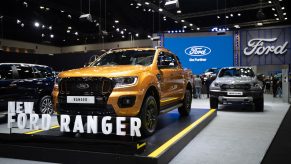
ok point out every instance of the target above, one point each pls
(197, 51)
(256, 47)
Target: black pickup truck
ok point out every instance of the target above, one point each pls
(26, 82)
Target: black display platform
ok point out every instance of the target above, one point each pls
(173, 133)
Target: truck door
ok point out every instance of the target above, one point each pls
(179, 76)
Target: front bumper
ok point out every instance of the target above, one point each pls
(247, 96)
(111, 107)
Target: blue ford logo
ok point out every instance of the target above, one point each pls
(197, 51)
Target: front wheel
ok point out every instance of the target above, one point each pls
(45, 105)
(186, 108)
(148, 116)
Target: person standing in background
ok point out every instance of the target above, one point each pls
(198, 86)
(274, 86)
(207, 84)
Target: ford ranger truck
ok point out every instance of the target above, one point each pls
(236, 85)
(138, 82)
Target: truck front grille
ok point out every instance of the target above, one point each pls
(235, 86)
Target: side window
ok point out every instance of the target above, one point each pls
(167, 60)
(43, 72)
(6, 72)
(24, 72)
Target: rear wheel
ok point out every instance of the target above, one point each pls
(213, 103)
(148, 116)
(259, 104)
(186, 108)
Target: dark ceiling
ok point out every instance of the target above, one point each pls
(59, 22)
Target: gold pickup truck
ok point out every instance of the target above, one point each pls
(137, 82)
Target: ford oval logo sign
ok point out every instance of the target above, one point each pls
(197, 51)
(83, 86)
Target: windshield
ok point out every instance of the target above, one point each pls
(213, 70)
(129, 57)
(236, 72)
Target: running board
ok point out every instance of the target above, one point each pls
(166, 110)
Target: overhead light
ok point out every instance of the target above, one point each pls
(231, 15)
(176, 22)
(277, 19)
(25, 4)
(22, 25)
(147, 3)
(275, 15)
(184, 26)
(62, 11)
(260, 24)
(284, 13)
(122, 32)
(197, 28)
(70, 28)
(239, 14)
(123, 36)
(97, 24)
(117, 29)
(136, 34)
(47, 9)
(86, 17)
(42, 35)
(283, 8)
(218, 17)
(64, 40)
(139, 4)
(179, 11)
(113, 26)
(191, 24)
(116, 21)
(182, 20)
(36, 24)
(236, 26)
(131, 4)
(78, 39)
(50, 27)
(286, 18)
(273, 9)
(149, 36)
(76, 33)
(18, 21)
(68, 31)
(160, 9)
(124, 29)
(69, 16)
(269, 1)
(41, 7)
(52, 36)
(43, 26)
(227, 17)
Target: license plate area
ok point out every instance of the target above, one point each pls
(81, 99)
(232, 93)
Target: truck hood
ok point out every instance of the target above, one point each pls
(105, 71)
(236, 80)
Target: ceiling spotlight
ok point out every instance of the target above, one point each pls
(176, 22)
(22, 25)
(218, 17)
(42, 35)
(97, 24)
(179, 11)
(275, 15)
(227, 17)
(231, 15)
(47, 9)
(197, 28)
(70, 28)
(236, 26)
(43, 26)
(239, 14)
(260, 24)
(277, 19)
(125, 29)
(117, 29)
(41, 7)
(147, 3)
(52, 36)
(273, 9)
(122, 32)
(78, 39)
(25, 4)
(286, 18)
(62, 11)
(116, 21)
(113, 26)
(284, 13)
(283, 8)
(36, 24)
(183, 20)
(269, 1)
(69, 16)
(131, 4)
(18, 21)
(136, 34)
(76, 33)
(64, 40)
(139, 4)
(149, 36)
(184, 26)
(160, 9)
(68, 31)
(123, 36)
(50, 27)
(191, 24)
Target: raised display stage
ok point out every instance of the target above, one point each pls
(173, 133)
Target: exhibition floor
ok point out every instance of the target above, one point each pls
(234, 136)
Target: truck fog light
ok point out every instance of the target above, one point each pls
(126, 101)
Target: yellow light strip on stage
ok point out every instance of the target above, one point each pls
(173, 140)
(38, 131)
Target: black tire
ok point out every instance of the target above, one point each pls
(45, 105)
(259, 104)
(213, 103)
(187, 101)
(148, 116)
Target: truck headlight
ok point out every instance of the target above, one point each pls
(214, 86)
(57, 81)
(256, 86)
(121, 82)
